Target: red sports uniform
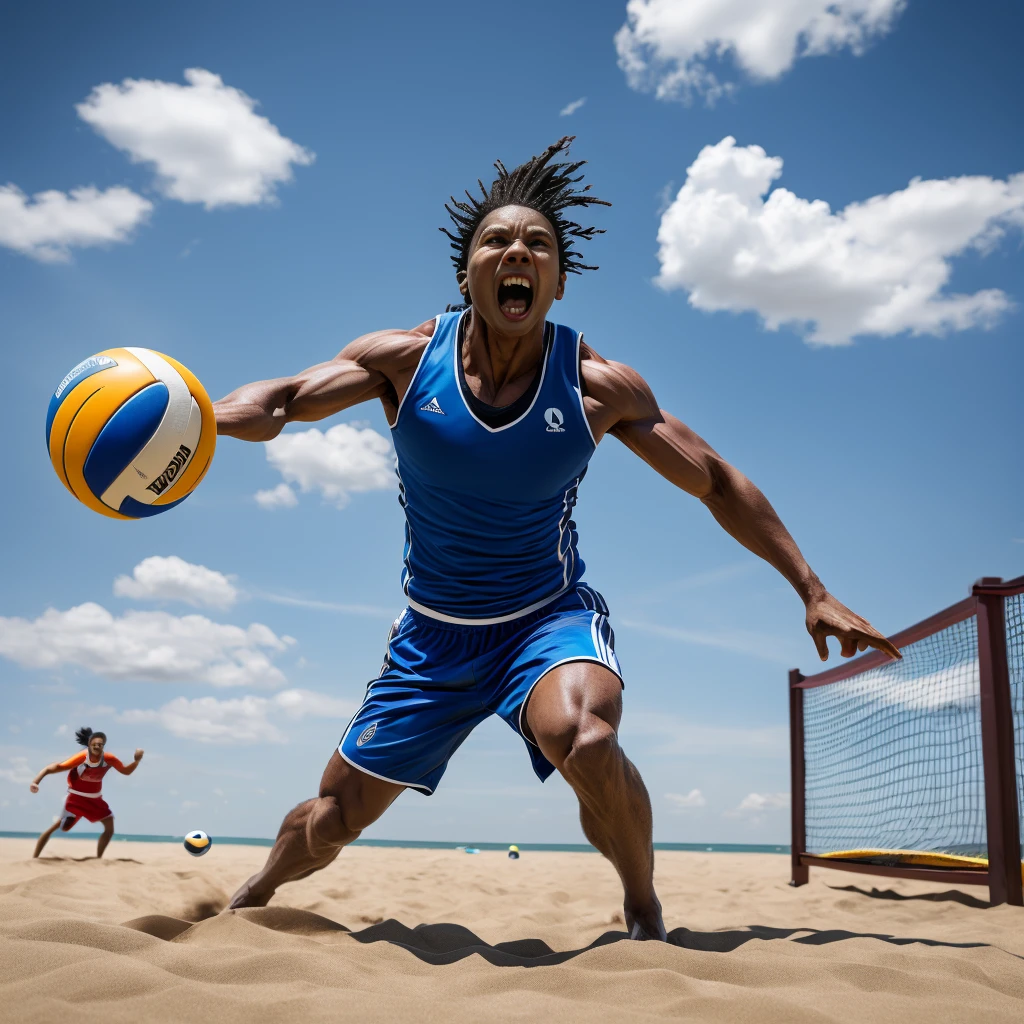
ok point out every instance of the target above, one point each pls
(85, 783)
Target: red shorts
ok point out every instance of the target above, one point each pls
(92, 808)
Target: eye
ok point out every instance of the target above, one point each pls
(496, 240)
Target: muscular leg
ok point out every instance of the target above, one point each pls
(105, 836)
(313, 834)
(44, 838)
(573, 716)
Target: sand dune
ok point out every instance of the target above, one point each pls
(424, 935)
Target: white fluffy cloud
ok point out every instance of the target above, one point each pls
(171, 578)
(570, 108)
(674, 47)
(878, 267)
(17, 771)
(755, 803)
(281, 496)
(686, 801)
(346, 459)
(243, 720)
(205, 140)
(50, 224)
(145, 646)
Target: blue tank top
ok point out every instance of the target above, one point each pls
(488, 528)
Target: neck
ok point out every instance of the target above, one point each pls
(497, 358)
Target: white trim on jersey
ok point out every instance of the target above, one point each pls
(456, 621)
(415, 374)
(78, 792)
(536, 394)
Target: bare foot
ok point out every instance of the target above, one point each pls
(248, 896)
(645, 923)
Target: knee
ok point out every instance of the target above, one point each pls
(593, 752)
(337, 822)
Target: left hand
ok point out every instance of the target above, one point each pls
(828, 617)
(138, 754)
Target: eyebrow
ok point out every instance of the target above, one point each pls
(535, 229)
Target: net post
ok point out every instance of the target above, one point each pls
(1004, 855)
(799, 872)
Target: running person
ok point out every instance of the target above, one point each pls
(85, 787)
(495, 414)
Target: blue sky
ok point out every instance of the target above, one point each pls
(880, 416)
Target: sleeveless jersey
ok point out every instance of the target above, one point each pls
(489, 534)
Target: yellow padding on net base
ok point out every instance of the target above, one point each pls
(914, 858)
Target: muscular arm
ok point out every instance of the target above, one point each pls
(620, 402)
(377, 365)
(126, 769)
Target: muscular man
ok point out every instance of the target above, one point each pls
(495, 414)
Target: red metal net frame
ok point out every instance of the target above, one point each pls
(1003, 875)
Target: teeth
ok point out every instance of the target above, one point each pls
(523, 281)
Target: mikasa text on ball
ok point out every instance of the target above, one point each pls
(130, 432)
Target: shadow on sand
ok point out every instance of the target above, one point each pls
(949, 896)
(446, 943)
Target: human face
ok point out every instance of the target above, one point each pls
(96, 745)
(512, 274)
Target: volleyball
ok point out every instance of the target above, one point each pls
(198, 843)
(130, 432)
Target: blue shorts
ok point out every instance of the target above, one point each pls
(440, 680)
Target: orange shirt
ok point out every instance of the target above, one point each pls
(85, 777)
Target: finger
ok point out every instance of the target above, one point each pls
(848, 646)
(821, 643)
(880, 643)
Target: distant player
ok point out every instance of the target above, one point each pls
(495, 413)
(85, 785)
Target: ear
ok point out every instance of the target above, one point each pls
(463, 279)
(561, 287)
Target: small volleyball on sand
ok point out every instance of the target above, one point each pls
(130, 432)
(198, 843)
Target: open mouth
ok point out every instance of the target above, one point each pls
(515, 296)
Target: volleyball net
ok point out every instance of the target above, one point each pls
(915, 768)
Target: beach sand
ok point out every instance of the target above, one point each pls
(437, 935)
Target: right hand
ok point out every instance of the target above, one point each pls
(33, 787)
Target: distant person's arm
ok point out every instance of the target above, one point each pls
(116, 764)
(619, 401)
(376, 365)
(56, 768)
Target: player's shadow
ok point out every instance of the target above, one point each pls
(949, 896)
(83, 860)
(447, 943)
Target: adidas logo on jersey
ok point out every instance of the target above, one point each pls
(432, 406)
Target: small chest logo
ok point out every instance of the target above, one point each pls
(432, 406)
(554, 420)
(366, 735)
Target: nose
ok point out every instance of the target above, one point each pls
(517, 252)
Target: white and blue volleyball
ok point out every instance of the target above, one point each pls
(130, 432)
(198, 843)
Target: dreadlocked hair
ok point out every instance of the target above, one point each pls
(538, 184)
(83, 735)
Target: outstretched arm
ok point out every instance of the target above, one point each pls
(50, 769)
(377, 365)
(620, 402)
(126, 769)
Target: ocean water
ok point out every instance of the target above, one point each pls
(422, 845)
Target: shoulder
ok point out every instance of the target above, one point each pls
(389, 349)
(614, 385)
(73, 761)
(112, 762)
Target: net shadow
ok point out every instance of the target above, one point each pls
(948, 896)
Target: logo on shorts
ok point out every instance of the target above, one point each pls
(366, 735)
(554, 420)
